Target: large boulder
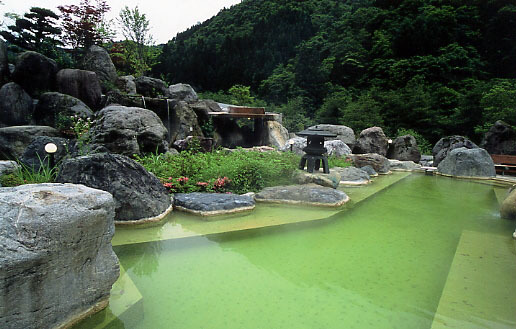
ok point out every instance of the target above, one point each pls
(35, 156)
(277, 135)
(151, 87)
(334, 147)
(57, 263)
(182, 92)
(126, 84)
(97, 60)
(372, 140)
(184, 122)
(466, 162)
(508, 208)
(35, 72)
(210, 204)
(344, 133)
(138, 194)
(404, 148)
(379, 163)
(500, 139)
(337, 148)
(14, 140)
(352, 176)
(129, 130)
(295, 145)
(15, 105)
(55, 109)
(4, 66)
(446, 144)
(310, 194)
(84, 85)
(329, 180)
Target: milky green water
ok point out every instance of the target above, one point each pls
(384, 263)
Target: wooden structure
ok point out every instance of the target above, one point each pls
(504, 163)
(244, 112)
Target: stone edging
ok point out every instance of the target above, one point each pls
(214, 212)
(146, 220)
(353, 183)
(73, 320)
(466, 177)
(319, 204)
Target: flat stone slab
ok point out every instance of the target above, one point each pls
(310, 194)
(404, 165)
(352, 176)
(211, 204)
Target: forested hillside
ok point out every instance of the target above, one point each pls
(438, 67)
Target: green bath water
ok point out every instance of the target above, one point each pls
(426, 252)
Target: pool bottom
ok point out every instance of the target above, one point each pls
(383, 264)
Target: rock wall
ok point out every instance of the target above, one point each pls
(56, 259)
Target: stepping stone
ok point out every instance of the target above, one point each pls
(211, 204)
(310, 194)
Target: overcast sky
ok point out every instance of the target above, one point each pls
(167, 18)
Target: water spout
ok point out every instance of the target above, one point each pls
(143, 101)
(168, 118)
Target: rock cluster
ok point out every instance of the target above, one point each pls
(446, 144)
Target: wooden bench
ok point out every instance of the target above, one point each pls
(504, 163)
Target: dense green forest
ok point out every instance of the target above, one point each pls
(438, 67)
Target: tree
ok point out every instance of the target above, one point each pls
(35, 29)
(85, 25)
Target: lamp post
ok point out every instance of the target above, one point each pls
(51, 148)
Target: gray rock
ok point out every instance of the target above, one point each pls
(184, 122)
(15, 105)
(277, 135)
(84, 85)
(369, 170)
(126, 84)
(295, 145)
(4, 66)
(404, 165)
(55, 109)
(151, 87)
(379, 163)
(206, 144)
(14, 140)
(329, 180)
(57, 262)
(426, 161)
(204, 106)
(35, 156)
(345, 134)
(404, 148)
(500, 139)
(208, 204)
(182, 92)
(129, 130)
(8, 167)
(352, 176)
(35, 72)
(138, 194)
(446, 144)
(337, 148)
(309, 194)
(372, 140)
(466, 162)
(508, 208)
(97, 60)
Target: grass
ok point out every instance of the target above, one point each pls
(29, 175)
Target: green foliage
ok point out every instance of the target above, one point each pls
(424, 146)
(295, 114)
(499, 102)
(241, 95)
(334, 161)
(29, 175)
(81, 128)
(238, 172)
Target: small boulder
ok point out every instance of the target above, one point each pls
(508, 208)
(129, 130)
(15, 105)
(404, 148)
(8, 167)
(57, 262)
(211, 204)
(310, 194)
(372, 140)
(295, 145)
(35, 72)
(35, 156)
(329, 180)
(55, 109)
(126, 84)
(345, 134)
(277, 135)
(370, 171)
(97, 60)
(151, 87)
(404, 165)
(464, 162)
(352, 176)
(138, 194)
(500, 139)
(426, 160)
(447, 144)
(337, 148)
(182, 92)
(14, 140)
(84, 85)
(379, 163)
